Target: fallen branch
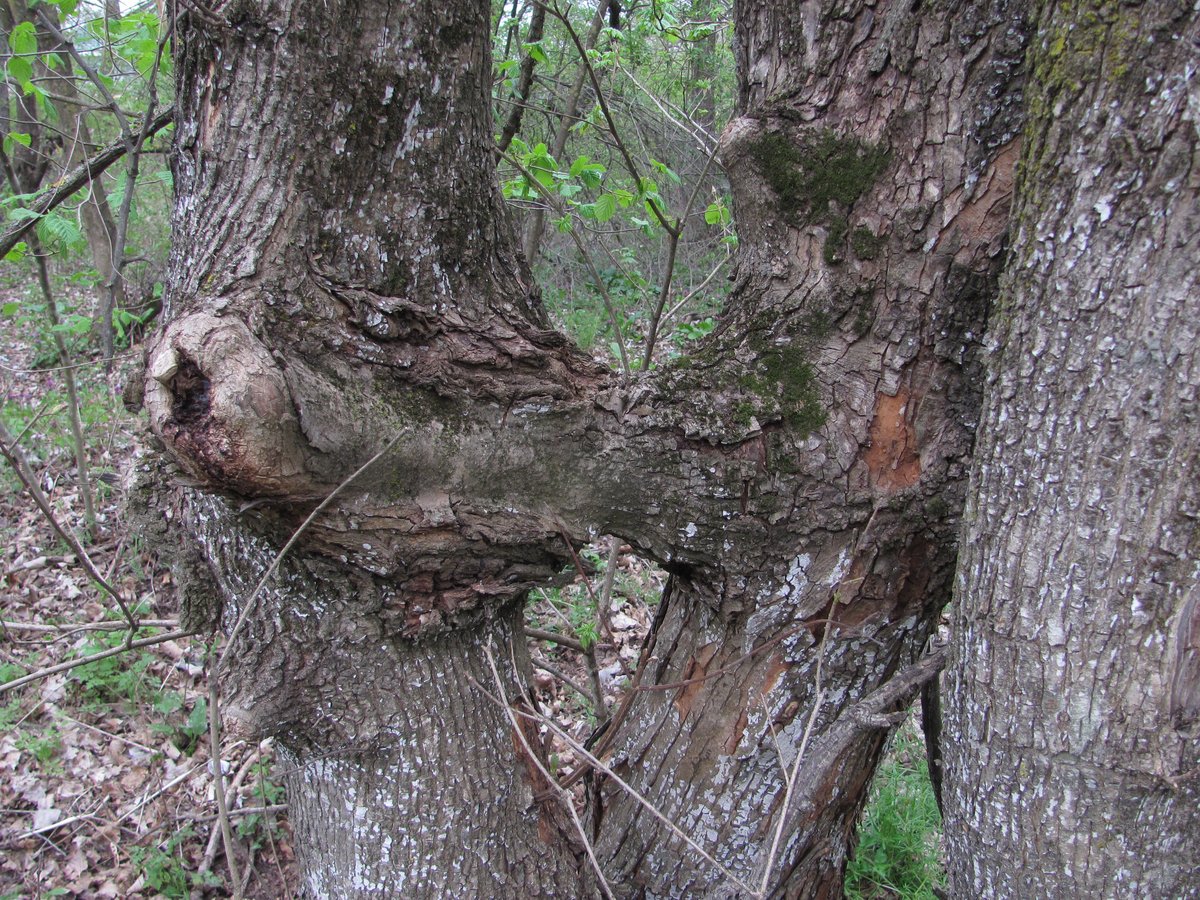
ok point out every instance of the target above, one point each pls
(95, 657)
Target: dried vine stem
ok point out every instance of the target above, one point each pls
(214, 754)
(560, 794)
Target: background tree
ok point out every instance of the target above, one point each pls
(1071, 744)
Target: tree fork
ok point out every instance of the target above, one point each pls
(342, 279)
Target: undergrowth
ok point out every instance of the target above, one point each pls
(900, 832)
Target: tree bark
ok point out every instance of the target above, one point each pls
(885, 285)
(343, 285)
(1072, 749)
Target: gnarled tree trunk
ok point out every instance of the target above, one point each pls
(871, 166)
(344, 288)
(1071, 752)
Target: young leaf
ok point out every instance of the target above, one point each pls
(23, 39)
(605, 207)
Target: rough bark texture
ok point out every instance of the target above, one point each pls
(871, 167)
(343, 282)
(1071, 746)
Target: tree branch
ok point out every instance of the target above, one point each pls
(79, 177)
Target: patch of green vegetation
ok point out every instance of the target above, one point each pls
(184, 730)
(897, 853)
(817, 178)
(44, 746)
(117, 678)
(258, 829)
(165, 869)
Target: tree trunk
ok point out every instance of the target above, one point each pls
(881, 278)
(343, 291)
(1072, 749)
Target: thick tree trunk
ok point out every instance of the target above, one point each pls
(1072, 753)
(871, 167)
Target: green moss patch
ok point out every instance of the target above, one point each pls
(817, 178)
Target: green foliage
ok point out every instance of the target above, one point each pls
(43, 746)
(186, 731)
(164, 868)
(261, 828)
(114, 679)
(9, 714)
(693, 331)
(897, 853)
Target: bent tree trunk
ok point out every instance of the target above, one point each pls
(344, 292)
(1074, 692)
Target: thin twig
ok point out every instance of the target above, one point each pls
(589, 652)
(214, 754)
(818, 702)
(555, 638)
(68, 630)
(604, 768)
(560, 794)
(210, 852)
(95, 657)
(672, 248)
(564, 678)
(16, 459)
(612, 126)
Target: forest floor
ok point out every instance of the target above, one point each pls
(106, 786)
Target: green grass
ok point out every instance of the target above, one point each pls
(898, 838)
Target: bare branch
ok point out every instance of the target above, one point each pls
(77, 178)
(95, 657)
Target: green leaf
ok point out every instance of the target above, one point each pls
(20, 214)
(717, 213)
(54, 228)
(20, 70)
(665, 170)
(17, 253)
(605, 207)
(74, 324)
(11, 308)
(535, 50)
(23, 39)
